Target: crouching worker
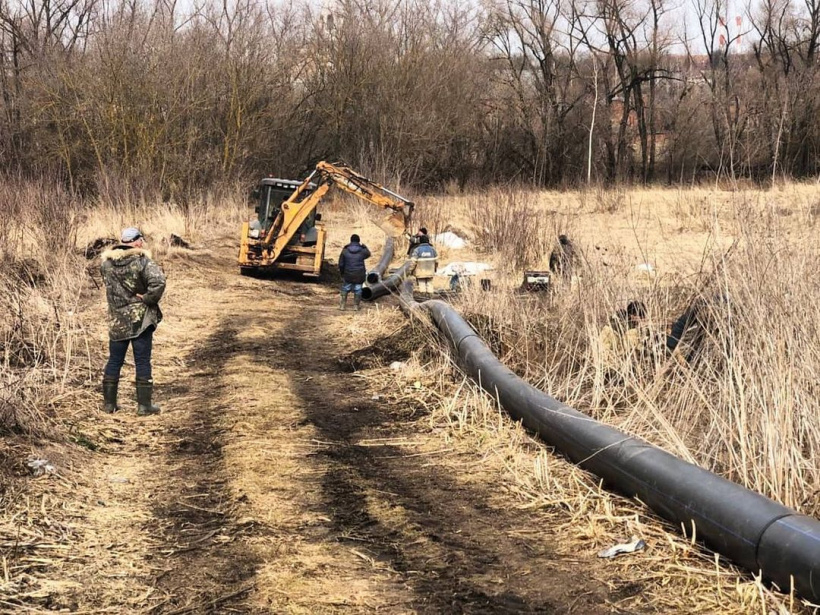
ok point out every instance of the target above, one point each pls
(425, 261)
(353, 270)
(133, 285)
(625, 337)
(563, 258)
(706, 318)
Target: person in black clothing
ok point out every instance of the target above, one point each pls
(415, 240)
(353, 270)
(563, 258)
(703, 317)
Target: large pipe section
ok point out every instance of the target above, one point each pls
(374, 276)
(746, 527)
(388, 284)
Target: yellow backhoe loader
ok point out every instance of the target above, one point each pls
(287, 233)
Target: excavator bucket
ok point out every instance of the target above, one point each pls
(393, 225)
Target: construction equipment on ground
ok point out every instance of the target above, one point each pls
(287, 233)
(536, 281)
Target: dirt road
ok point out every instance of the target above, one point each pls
(281, 478)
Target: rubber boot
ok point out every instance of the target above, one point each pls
(342, 301)
(110, 386)
(145, 389)
(357, 302)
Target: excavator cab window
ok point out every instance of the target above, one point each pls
(271, 193)
(270, 202)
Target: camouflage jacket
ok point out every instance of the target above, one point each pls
(129, 272)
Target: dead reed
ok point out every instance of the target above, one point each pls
(739, 395)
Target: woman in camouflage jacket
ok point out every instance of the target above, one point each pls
(134, 285)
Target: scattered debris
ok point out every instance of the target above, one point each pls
(94, 248)
(536, 281)
(449, 239)
(396, 366)
(178, 242)
(121, 481)
(463, 268)
(635, 545)
(39, 467)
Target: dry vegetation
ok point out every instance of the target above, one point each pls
(674, 575)
(52, 348)
(47, 283)
(167, 98)
(746, 407)
(42, 337)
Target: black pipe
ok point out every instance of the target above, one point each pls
(747, 527)
(388, 284)
(374, 276)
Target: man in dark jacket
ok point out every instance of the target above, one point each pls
(134, 285)
(353, 270)
(703, 319)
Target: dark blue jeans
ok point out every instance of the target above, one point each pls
(142, 355)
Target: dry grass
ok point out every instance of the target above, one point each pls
(746, 408)
(46, 284)
(673, 575)
(42, 282)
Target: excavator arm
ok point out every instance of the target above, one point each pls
(303, 201)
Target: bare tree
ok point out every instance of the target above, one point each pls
(530, 38)
(727, 111)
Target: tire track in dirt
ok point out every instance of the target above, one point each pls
(207, 567)
(273, 482)
(429, 542)
(281, 486)
(447, 542)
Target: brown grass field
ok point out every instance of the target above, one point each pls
(293, 471)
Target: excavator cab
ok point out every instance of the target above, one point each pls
(304, 249)
(269, 196)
